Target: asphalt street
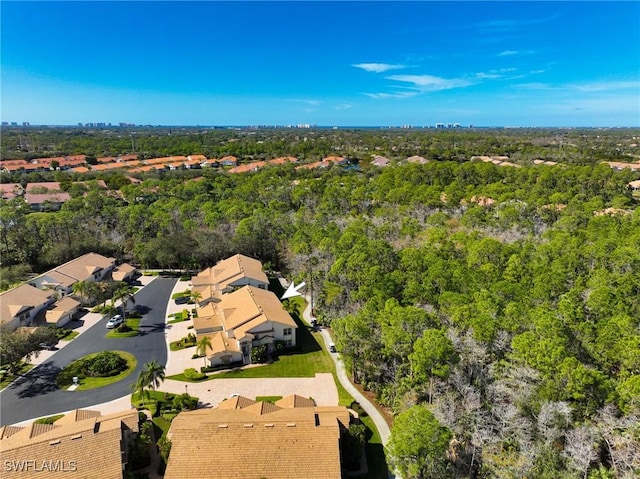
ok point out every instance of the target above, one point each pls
(35, 394)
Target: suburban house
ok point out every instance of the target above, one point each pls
(228, 161)
(243, 438)
(246, 318)
(62, 312)
(19, 306)
(88, 267)
(123, 272)
(380, 161)
(227, 275)
(80, 444)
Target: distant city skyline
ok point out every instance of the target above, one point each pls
(520, 64)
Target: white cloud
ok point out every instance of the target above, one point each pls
(378, 67)
(344, 106)
(306, 102)
(606, 86)
(508, 53)
(429, 83)
(404, 94)
(594, 87)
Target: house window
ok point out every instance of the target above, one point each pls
(287, 331)
(289, 343)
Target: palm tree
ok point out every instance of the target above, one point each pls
(196, 296)
(153, 374)
(202, 345)
(140, 386)
(150, 377)
(124, 294)
(81, 288)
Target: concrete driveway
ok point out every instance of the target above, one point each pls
(322, 388)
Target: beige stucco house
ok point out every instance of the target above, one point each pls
(245, 318)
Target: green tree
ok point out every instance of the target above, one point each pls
(203, 344)
(418, 445)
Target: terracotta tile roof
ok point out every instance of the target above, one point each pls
(252, 440)
(89, 447)
(283, 160)
(120, 272)
(236, 402)
(83, 267)
(80, 169)
(380, 161)
(62, 308)
(295, 401)
(20, 299)
(51, 186)
(10, 190)
(54, 278)
(197, 158)
(255, 166)
(248, 303)
(231, 270)
(311, 166)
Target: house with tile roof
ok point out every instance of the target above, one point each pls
(62, 312)
(88, 267)
(242, 438)
(82, 443)
(123, 272)
(19, 306)
(241, 320)
(231, 273)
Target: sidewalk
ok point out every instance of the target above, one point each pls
(378, 419)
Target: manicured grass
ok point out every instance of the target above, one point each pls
(306, 360)
(93, 383)
(69, 336)
(133, 323)
(180, 344)
(344, 398)
(271, 399)
(48, 420)
(182, 377)
(9, 378)
(163, 424)
(376, 461)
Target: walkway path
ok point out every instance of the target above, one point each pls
(378, 419)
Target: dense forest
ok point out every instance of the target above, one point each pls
(494, 310)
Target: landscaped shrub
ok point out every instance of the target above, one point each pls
(280, 345)
(135, 314)
(185, 402)
(106, 363)
(259, 354)
(192, 375)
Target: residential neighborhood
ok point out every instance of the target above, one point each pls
(234, 312)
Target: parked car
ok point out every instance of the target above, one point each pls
(332, 348)
(114, 322)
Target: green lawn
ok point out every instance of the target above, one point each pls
(133, 323)
(93, 383)
(375, 452)
(48, 420)
(271, 399)
(69, 336)
(309, 358)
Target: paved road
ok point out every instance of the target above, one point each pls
(381, 424)
(35, 394)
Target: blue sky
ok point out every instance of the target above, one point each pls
(325, 63)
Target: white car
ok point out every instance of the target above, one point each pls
(114, 322)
